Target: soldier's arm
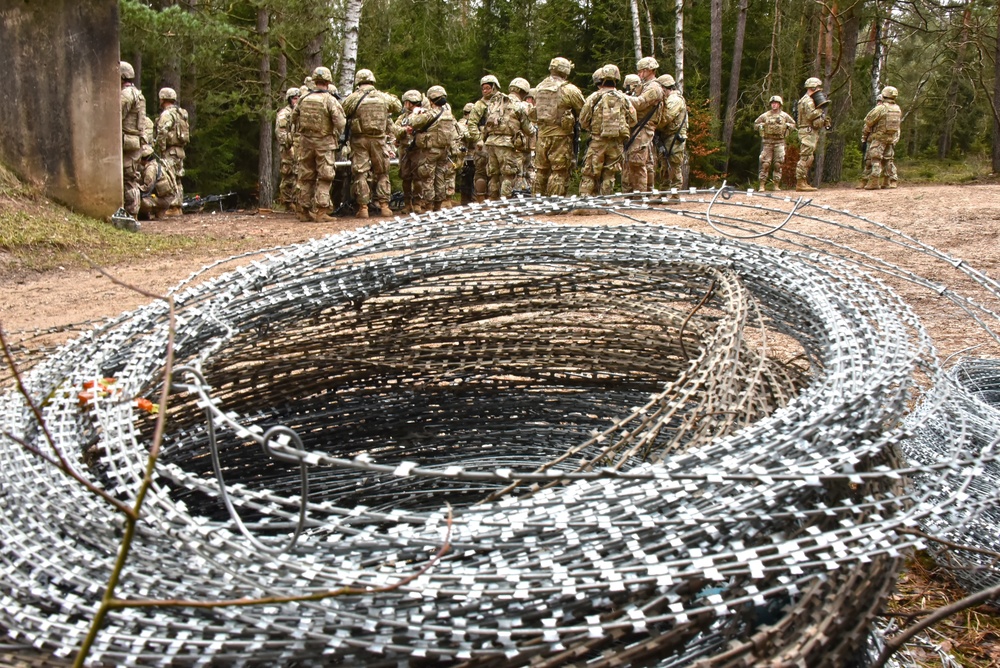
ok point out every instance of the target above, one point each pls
(525, 122)
(573, 98)
(476, 132)
(631, 114)
(759, 123)
(392, 103)
(350, 104)
(587, 112)
(164, 124)
(337, 116)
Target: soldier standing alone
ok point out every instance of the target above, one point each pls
(773, 126)
(133, 106)
(369, 111)
(556, 112)
(882, 132)
(320, 121)
(172, 135)
(286, 142)
(811, 122)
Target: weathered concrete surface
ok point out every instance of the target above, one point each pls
(60, 116)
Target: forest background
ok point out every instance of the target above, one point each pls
(231, 62)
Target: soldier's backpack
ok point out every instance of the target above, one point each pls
(547, 102)
(372, 114)
(497, 112)
(614, 122)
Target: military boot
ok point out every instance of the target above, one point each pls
(760, 186)
(801, 185)
(416, 207)
(872, 185)
(885, 182)
(362, 211)
(384, 210)
(304, 216)
(437, 205)
(776, 185)
(861, 185)
(319, 214)
(893, 184)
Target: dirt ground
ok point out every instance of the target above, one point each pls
(962, 221)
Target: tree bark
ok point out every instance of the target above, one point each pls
(679, 46)
(349, 54)
(996, 104)
(636, 28)
(951, 111)
(649, 30)
(314, 53)
(843, 95)
(775, 32)
(265, 177)
(734, 79)
(715, 66)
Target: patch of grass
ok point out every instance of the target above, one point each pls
(973, 168)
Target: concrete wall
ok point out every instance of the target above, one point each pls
(60, 115)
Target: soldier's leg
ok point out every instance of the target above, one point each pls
(423, 184)
(131, 193)
(560, 161)
(875, 151)
(326, 173)
(493, 172)
(541, 166)
(808, 147)
(613, 161)
(361, 166)
(306, 170)
(593, 164)
(889, 159)
(482, 180)
(651, 168)
(510, 167)
(764, 170)
(633, 168)
(380, 173)
(777, 165)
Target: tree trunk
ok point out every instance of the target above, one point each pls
(349, 54)
(314, 54)
(649, 30)
(715, 66)
(633, 6)
(265, 177)
(775, 32)
(996, 105)
(734, 79)
(951, 111)
(679, 46)
(843, 96)
(824, 57)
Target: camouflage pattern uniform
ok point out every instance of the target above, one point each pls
(506, 119)
(881, 131)
(647, 101)
(607, 115)
(148, 131)
(434, 132)
(320, 121)
(171, 138)
(157, 184)
(773, 126)
(672, 127)
(467, 152)
(556, 113)
(285, 133)
(811, 122)
(133, 106)
(518, 90)
(489, 85)
(410, 155)
(369, 110)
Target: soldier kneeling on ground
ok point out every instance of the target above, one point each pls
(157, 184)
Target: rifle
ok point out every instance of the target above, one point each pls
(864, 152)
(639, 126)
(468, 184)
(197, 203)
(576, 141)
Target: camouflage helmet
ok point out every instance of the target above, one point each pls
(776, 98)
(610, 72)
(491, 80)
(666, 81)
(598, 73)
(560, 65)
(813, 82)
(322, 75)
(304, 90)
(414, 96)
(168, 94)
(889, 93)
(647, 63)
(467, 109)
(308, 82)
(521, 84)
(364, 76)
(531, 92)
(435, 93)
(126, 70)
(632, 79)
(293, 92)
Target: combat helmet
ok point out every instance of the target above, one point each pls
(610, 72)
(813, 82)
(126, 70)
(467, 109)
(776, 98)
(647, 63)
(413, 96)
(520, 84)
(491, 80)
(632, 79)
(438, 95)
(889, 93)
(560, 66)
(292, 92)
(322, 75)
(666, 81)
(598, 73)
(364, 77)
(168, 94)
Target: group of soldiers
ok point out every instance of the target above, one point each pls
(152, 153)
(878, 138)
(525, 140)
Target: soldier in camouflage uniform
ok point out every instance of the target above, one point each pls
(631, 84)
(811, 122)
(157, 185)
(607, 115)
(320, 121)
(556, 113)
(773, 126)
(648, 100)
(468, 152)
(172, 135)
(866, 161)
(881, 131)
(433, 130)
(505, 118)
(286, 140)
(410, 155)
(519, 89)
(133, 106)
(671, 130)
(368, 111)
(488, 85)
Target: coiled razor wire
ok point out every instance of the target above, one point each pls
(641, 444)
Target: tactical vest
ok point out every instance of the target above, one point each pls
(673, 120)
(179, 133)
(133, 113)
(610, 121)
(314, 118)
(370, 116)
(774, 126)
(893, 116)
(548, 95)
(500, 116)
